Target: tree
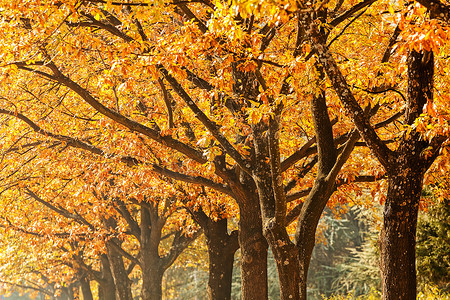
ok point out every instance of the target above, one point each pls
(216, 94)
(405, 166)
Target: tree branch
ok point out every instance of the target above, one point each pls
(121, 119)
(210, 125)
(63, 212)
(340, 85)
(350, 12)
(128, 160)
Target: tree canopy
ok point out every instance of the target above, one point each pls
(130, 128)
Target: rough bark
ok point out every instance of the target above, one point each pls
(251, 240)
(287, 261)
(268, 181)
(121, 281)
(405, 167)
(398, 237)
(253, 252)
(284, 251)
(149, 233)
(152, 275)
(221, 250)
(323, 185)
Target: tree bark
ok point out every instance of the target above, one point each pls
(405, 166)
(152, 276)
(152, 270)
(221, 250)
(253, 252)
(287, 261)
(328, 168)
(107, 289)
(86, 288)
(121, 281)
(307, 225)
(398, 237)
(285, 254)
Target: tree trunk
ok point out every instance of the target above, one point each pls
(106, 289)
(121, 281)
(306, 227)
(284, 251)
(66, 292)
(152, 276)
(287, 262)
(86, 288)
(398, 238)
(221, 249)
(253, 252)
(328, 167)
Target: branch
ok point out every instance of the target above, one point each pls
(128, 160)
(360, 179)
(323, 128)
(304, 151)
(60, 210)
(301, 174)
(205, 85)
(96, 23)
(340, 85)
(339, 182)
(167, 99)
(275, 166)
(392, 41)
(121, 119)
(293, 214)
(125, 213)
(73, 142)
(298, 195)
(210, 125)
(123, 252)
(345, 27)
(191, 16)
(348, 148)
(350, 12)
(22, 286)
(33, 233)
(194, 179)
(179, 243)
(437, 9)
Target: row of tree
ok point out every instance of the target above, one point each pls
(130, 128)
